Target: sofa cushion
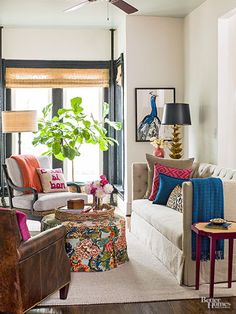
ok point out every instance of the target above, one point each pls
(46, 201)
(167, 221)
(152, 160)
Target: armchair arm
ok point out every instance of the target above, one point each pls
(23, 189)
(11, 185)
(40, 242)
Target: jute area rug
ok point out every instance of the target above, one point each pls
(141, 279)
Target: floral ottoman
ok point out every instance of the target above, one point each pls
(93, 245)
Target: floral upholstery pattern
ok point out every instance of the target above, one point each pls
(93, 245)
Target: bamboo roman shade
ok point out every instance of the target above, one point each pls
(56, 77)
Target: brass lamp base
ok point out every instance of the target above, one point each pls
(176, 144)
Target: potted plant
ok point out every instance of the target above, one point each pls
(64, 133)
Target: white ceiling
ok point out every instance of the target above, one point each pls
(50, 12)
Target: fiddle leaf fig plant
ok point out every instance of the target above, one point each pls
(64, 133)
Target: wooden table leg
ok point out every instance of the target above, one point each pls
(212, 270)
(198, 260)
(230, 262)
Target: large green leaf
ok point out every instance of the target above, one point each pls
(62, 111)
(76, 105)
(86, 135)
(103, 144)
(56, 148)
(87, 123)
(60, 156)
(55, 119)
(46, 110)
(68, 152)
(115, 125)
(105, 110)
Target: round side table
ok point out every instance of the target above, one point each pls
(213, 234)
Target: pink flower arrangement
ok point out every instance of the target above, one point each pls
(99, 188)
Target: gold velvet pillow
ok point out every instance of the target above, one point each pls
(52, 180)
(174, 163)
(175, 199)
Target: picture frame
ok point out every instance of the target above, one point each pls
(149, 104)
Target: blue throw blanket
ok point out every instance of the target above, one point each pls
(208, 202)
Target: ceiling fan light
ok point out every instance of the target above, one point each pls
(77, 6)
(121, 4)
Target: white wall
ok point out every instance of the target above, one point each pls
(56, 43)
(227, 91)
(201, 76)
(120, 36)
(154, 58)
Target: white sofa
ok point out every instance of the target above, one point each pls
(167, 232)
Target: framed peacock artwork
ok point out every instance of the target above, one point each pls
(149, 103)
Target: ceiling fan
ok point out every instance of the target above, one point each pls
(124, 6)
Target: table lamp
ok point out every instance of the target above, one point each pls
(176, 114)
(18, 122)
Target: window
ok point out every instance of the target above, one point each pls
(34, 84)
(88, 166)
(28, 99)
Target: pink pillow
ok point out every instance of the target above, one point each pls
(21, 219)
(169, 171)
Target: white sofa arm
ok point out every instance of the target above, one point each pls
(139, 180)
(187, 217)
(229, 199)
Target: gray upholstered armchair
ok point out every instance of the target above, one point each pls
(34, 204)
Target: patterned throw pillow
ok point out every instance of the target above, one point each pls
(52, 180)
(175, 200)
(169, 171)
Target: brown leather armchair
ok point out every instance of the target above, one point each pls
(31, 270)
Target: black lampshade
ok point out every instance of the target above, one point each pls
(176, 113)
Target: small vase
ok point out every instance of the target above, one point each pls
(97, 203)
(159, 152)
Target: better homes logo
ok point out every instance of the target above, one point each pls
(213, 303)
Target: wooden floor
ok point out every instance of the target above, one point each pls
(167, 307)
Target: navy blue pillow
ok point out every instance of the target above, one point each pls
(166, 186)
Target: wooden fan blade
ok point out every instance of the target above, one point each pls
(124, 6)
(77, 6)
